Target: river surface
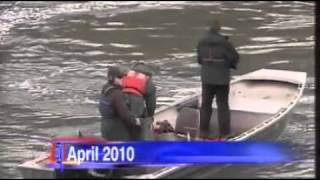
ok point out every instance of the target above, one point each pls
(54, 58)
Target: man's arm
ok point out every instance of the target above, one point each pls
(231, 54)
(151, 98)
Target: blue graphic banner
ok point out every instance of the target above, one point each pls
(73, 154)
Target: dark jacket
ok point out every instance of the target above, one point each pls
(118, 123)
(217, 56)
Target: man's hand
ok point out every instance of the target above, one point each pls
(138, 121)
(233, 66)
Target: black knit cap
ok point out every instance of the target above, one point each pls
(143, 68)
(114, 72)
(215, 25)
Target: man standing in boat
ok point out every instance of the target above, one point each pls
(217, 56)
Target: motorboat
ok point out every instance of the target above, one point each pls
(258, 101)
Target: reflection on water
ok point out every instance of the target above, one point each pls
(54, 57)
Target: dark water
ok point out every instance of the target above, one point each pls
(53, 59)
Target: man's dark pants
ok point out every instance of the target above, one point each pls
(222, 95)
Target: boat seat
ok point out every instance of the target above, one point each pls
(188, 122)
(192, 103)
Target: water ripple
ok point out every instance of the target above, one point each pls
(128, 29)
(119, 45)
(55, 57)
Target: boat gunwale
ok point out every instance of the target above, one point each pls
(269, 76)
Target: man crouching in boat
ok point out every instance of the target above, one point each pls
(118, 123)
(140, 94)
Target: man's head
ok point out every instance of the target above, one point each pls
(215, 25)
(142, 68)
(113, 73)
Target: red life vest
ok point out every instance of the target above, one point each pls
(135, 82)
